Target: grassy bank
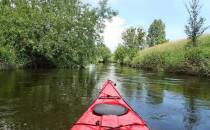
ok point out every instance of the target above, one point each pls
(176, 57)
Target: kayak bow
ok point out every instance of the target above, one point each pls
(110, 112)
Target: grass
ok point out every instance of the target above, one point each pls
(176, 57)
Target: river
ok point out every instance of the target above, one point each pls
(54, 99)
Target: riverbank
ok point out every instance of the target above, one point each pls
(176, 57)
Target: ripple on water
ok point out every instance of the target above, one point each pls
(7, 110)
(7, 114)
(60, 97)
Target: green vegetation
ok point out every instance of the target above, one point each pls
(190, 56)
(120, 54)
(60, 33)
(133, 37)
(195, 26)
(7, 58)
(157, 54)
(156, 33)
(176, 57)
(103, 54)
(57, 33)
(7, 55)
(133, 40)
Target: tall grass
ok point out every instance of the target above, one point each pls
(177, 57)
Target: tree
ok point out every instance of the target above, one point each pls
(133, 40)
(156, 33)
(103, 54)
(133, 37)
(140, 37)
(52, 33)
(103, 12)
(195, 26)
(120, 54)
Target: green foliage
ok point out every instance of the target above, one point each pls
(194, 56)
(175, 57)
(112, 58)
(120, 54)
(104, 54)
(58, 33)
(133, 41)
(156, 33)
(195, 26)
(7, 55)
(127, 61)
(133, 37)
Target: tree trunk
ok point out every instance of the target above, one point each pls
(194, 40)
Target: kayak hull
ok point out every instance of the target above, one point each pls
(109, 95)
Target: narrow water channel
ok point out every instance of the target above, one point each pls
(54, 99)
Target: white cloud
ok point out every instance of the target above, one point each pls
(112, 32)
(113, 29)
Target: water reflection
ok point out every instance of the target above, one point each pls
(44, 99)
(55, 99)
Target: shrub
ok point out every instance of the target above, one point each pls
(7, 55)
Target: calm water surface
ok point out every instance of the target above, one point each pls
(54, 99)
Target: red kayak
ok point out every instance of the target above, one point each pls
(110, 112)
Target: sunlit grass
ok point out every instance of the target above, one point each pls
(176, 56)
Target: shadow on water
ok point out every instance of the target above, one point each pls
(54, 99)
(44, 99)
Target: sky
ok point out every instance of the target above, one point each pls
(143, 12)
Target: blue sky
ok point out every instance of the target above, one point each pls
(143, 12)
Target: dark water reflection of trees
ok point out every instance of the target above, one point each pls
(44, 99)
(54, 99)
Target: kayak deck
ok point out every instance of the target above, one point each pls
(110, 96)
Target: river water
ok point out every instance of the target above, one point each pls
(54, 99)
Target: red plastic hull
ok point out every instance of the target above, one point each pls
(129, 121)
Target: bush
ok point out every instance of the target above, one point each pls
(57, 33)
(7, 55)
(127, 60)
